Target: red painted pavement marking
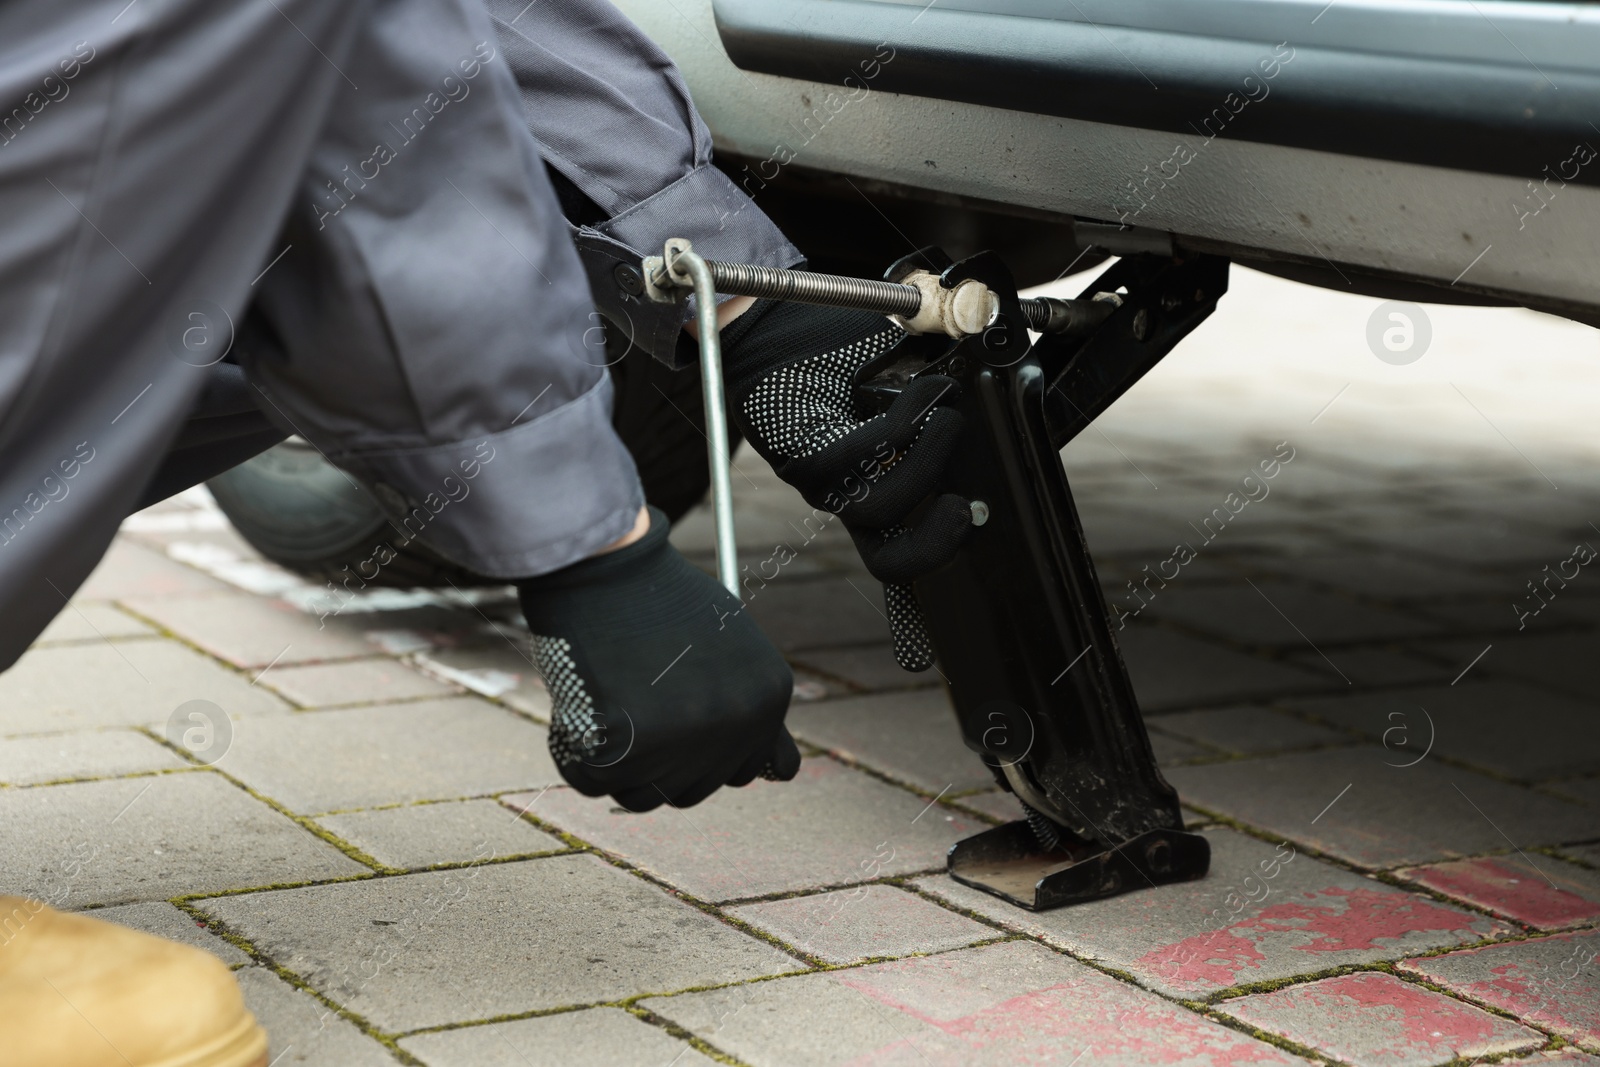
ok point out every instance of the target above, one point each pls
(1425, 1021)
(1560, 998)
(1338, 920)
(1053, 1024)
(1511, 891)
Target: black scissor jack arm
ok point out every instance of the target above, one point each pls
(1021, 629)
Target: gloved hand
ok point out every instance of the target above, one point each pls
(790, 369)
(662, 690)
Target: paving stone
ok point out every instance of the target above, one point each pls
(325, 761)
(1263, 913)
(762, 525)
(251, 631)
(1543, 892)
(1247, 731)
(1367, 667)
(1183, 502)
(1118, 531)
(871, 667)
(1567, 1057)
(362, 682)
(1170, 749)
(1173, 670)
(432, 620)
(1584, 789)
(810, 687)
(830, 826)
(1563, 661)
(131, 839)
(1551, 982)
(133, 683)
(1116, 572)
(1582, 606)
(1564, 515)
(1554, 735)
(130, 570)
(91, 622)
(1494, 618)
(157, 531)
(1589, 854)
(1004, 1004)
(599, 1037)
(753, 562)
(163, 920)
(1388, 816)
(818, 613)
(304, 1032)
(1245, 614)
(456, 946)
(249, 572)
(1454, 540)
(1383, 577)
(1377, 1020)
(1004, 807)
(60, 757)
(869, 921)
(995, 803)
(910, 736)
(495, 669)
(421, 835)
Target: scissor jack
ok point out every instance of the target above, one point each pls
(1017, 619)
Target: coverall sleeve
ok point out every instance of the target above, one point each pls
(429, 326)
(612, 114)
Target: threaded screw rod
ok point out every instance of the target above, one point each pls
(774, 283)
(1045, 314)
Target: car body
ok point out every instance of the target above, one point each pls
(1423, 149)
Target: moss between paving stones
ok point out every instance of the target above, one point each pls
(1272, 985)
(1203, 1008)
(694, 1041)
(1554, 852)
(1380, 875)
(873, 772)
(268, 887)
(1209, 1006)
(575, 844)
(1267, 1037)
(1206, 1007)
(301, 821)
(327, 836)
(829, 887)
(494, 860)
(157, 773)
(261, 959)
(1419, 980)
(1448, 761)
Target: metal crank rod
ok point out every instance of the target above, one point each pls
(919, 300)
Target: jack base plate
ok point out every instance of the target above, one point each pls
(1009, 862)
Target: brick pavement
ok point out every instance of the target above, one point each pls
(1402, 787)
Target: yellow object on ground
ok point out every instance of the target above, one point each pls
(78, 992)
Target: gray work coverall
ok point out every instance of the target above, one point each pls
(365, 178)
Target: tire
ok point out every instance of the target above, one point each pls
(304, 514)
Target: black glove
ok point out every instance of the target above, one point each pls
(790, 369)
(662, 689)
